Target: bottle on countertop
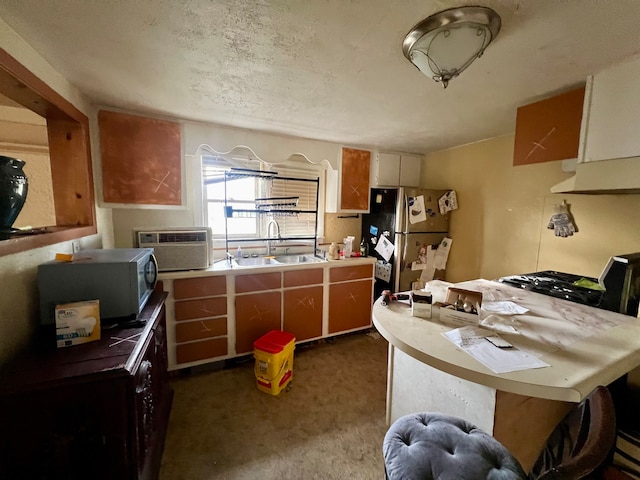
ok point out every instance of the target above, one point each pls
(364, 248)
(459, 304)
(239, 252)
(348, 246)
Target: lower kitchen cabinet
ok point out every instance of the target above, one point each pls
(350, 305)
(214, 317)
(200, 313)
(303, 312)
(256, 314)
(98, 410)
(350, 298)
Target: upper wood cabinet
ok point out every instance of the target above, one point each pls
(348, 187)
(549, 130)
(395, 170)
(141, 159)
(69, 157)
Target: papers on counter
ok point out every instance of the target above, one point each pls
(496, 315)
(504, 307)
(499, 360)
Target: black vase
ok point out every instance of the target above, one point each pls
(13, 191)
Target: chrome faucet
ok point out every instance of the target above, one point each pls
(269, 237)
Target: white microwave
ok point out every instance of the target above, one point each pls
(180, 248)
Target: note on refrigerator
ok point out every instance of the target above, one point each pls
(442, 253)
(417, 212)
(384, 247)
(428, 273)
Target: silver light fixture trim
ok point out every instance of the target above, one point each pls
(446, 43)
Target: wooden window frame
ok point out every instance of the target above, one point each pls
(69, 154)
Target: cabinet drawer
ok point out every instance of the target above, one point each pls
(297, 278)
(201, 308)
(211, 348)
(199, 287)
(341, 274)
(200, 329)
(261, 281)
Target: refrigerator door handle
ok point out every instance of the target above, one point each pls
(401, 251)
(400, 211)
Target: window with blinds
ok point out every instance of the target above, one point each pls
(302, 224)
(247, 193)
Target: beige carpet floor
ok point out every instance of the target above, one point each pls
(329, 425)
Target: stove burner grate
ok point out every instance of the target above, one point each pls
(556, 284)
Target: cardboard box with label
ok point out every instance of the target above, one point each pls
(77, 323)
(449, 315)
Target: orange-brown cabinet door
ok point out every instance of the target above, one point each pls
(549, 130)
(141, 159)
(354, 188)
(256, 314)
(303, 312)
(350, 305)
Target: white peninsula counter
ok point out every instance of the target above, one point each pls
(584, 347)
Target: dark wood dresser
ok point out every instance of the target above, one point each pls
(98, 410)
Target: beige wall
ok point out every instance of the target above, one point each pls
(500, 226)
(337, 226)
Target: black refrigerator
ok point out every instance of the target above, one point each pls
(410, 219)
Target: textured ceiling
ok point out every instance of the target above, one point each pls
(323, 69)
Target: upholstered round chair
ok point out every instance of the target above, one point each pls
(435, 446)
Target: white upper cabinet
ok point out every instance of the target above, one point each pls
(385, 170)
(410, 167)
(612, 129)
(395, 170)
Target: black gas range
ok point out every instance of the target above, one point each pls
(559, 285)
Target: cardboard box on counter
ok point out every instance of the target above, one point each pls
(77, 323)
(456, 318)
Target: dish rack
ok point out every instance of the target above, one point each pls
(276, 206)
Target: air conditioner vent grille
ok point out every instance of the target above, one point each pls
(187, 248)
(182, 237)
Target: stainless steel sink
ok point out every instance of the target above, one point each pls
(268, 261)
(288, 259)
(255, 261)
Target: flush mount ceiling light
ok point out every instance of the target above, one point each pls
(446, 43)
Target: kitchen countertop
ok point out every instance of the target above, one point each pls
(584, 346)
(222, 267)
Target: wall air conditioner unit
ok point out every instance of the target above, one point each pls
(187, 248)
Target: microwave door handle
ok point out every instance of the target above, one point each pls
(151, 274)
